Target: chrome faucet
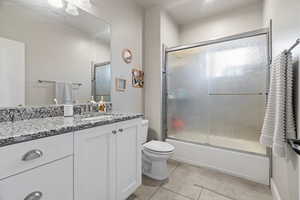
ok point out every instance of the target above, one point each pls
(91, 104)
(55, 101)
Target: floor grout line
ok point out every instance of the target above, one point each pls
(177, 193)
(214, 191)
(161, 185)
(171, 172)
(200, 193)
(156, 190)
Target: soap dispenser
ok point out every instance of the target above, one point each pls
(102, 106)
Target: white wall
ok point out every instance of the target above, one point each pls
(169, 30)
(225, 24)
(286, 28)
(54, 51)
(159, 29)
(126, 19)
(152, 62)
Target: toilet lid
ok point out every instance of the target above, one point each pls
(159, 146)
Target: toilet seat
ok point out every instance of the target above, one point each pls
(158, 147)
(157, 153)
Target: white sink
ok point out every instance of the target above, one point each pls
(102, 117)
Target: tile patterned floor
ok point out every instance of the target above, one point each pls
(187, 182)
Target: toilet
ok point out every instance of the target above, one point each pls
(154, 155)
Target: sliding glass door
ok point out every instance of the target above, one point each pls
(216, 92)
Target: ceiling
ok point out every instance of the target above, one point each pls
(185, 11)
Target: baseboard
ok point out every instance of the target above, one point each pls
(275, 192)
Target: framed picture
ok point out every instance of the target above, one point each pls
(121, 84)
(137, 78)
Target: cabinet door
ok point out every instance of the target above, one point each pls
(53, 181)
(128, 158)
(93, 164)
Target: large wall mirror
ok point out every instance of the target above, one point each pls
(52, 55)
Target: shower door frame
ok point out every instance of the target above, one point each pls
(164, 89)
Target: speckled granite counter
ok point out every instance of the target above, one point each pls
(26, 130)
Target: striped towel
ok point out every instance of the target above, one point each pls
(279, 121)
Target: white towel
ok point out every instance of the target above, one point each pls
(279, 122)
(64, 93)
(68, 93)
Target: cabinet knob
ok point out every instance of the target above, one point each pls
(32, 155)
(114, 132)
(120, 130)
(34, 196)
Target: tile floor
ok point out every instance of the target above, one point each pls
(187, 182)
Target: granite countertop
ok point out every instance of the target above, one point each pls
(26, 130)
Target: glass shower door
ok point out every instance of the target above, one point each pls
(187, 100)
(217, 93)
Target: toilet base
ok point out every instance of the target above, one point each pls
(155, 168)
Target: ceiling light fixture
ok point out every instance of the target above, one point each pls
(72, 5)
(56, 3)
(86, 3)
(72, 9)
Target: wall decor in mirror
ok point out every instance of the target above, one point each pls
(121, 84)
(48, 50)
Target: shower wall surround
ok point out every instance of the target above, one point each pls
(34, 112)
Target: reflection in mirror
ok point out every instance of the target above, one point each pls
(101, 81)
(46, 54)
(121, 84)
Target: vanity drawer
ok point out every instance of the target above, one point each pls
(53, 181)
(23, 156)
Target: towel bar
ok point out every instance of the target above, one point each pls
(295, 145)
(45, 81)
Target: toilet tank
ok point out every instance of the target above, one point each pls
(144, 131)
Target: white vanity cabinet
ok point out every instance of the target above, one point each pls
(107, 161)
(48, 182)
(38, 169)
(100, 163)
(128, 158)
(93, 163)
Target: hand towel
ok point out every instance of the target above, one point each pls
(68, 93)
(59, 92)
(64, 93)
(279, 121)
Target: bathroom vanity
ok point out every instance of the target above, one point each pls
(77, 158)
